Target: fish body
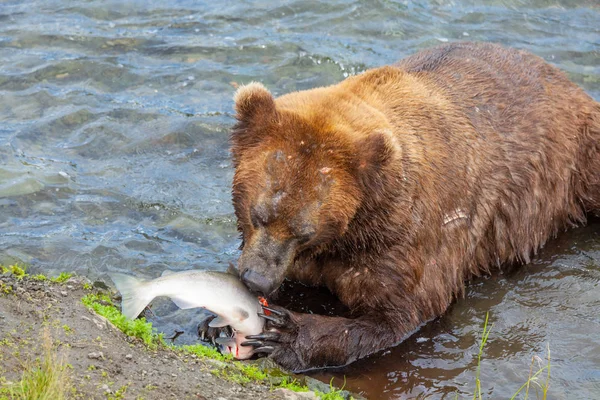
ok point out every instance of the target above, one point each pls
(221, 293)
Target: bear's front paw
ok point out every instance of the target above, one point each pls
(279, 338)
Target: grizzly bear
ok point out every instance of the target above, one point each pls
(394, 187)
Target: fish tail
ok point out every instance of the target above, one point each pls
(134, 294)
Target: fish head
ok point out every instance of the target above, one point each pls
(242, 323)
(232, 345)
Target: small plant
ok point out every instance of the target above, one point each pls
(541, 388)
(5, 289)
(68, 330)
(533, 378)
(87, 286)
(292, 384)
(202, 351)
(484, 337)
(253, 372)
(39, 277)
(45, 379)
(18, 272)
(119, 394)
(62, 278)
(333, 394)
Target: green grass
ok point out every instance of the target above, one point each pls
(484, 337)
(5, 289)
(541, 388)
(533, 380)
(43, 379)
(16, 270)
(20, 272)
(102, 305)
(39, 277)
(292, 384)
(62, 278)
(202, 352)
(68, 330)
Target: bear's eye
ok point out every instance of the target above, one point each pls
(303, 239)
(258, 217)
(304, 233)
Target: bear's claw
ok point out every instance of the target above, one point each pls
(265, 349)
(275, 311)
(272, 338)
(276, 317)
(277, 321)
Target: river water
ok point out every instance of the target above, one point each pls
(114, 121)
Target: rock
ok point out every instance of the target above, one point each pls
(316, 385)
(290, 395)
(64, 293)
(101, 285)
(128, 356)
(105, 388)
(96, 355)
(99, 324)
(216, 363)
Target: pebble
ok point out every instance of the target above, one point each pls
(105, 388)
(64, 293)
(128, 356)
(289, 395)
(96, 355)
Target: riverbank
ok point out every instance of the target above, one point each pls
(48, 334)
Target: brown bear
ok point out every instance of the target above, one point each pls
(395, 186)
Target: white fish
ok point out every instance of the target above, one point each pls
(219, 292)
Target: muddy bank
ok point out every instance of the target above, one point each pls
(102, 362)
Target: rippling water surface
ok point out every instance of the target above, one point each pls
(114, 120)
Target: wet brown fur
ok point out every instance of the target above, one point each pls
(394, 187)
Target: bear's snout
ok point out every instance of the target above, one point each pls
(257, 282)
(265, 261)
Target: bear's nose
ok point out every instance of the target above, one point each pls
(256, 282)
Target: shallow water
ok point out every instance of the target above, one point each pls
(114, 156)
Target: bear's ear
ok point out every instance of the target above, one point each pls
(374, 153)
(255, 112)
(252, 100)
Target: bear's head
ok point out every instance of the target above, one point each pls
(299, 181)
